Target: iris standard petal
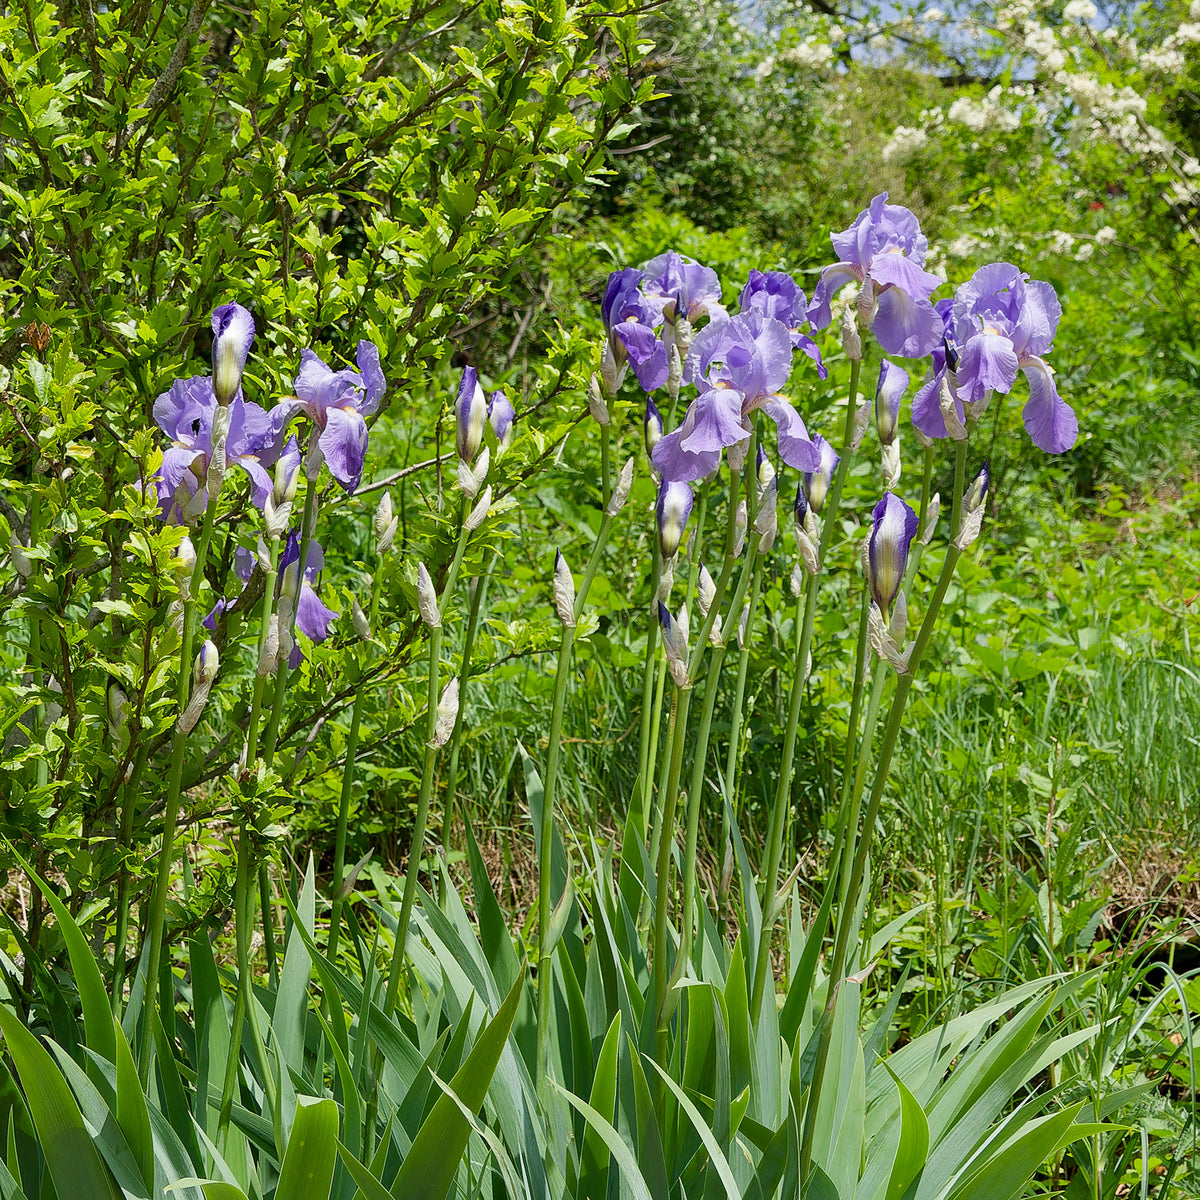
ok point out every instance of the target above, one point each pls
(1049, 419)
(796, 448)
(906, 326)
(374, 383)
(896, 270)
(344, 445)
(184, 413)
(988, 363)
(314, 384)
(1045, 312)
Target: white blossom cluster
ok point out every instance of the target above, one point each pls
(811, 53)
(983, 114)
(904, 143)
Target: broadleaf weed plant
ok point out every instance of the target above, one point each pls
(626, 1043)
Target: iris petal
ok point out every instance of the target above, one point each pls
(1049, 419)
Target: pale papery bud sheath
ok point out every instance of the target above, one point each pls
(427, 602)
(564, 591)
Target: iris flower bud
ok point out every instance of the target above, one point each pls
(233, 335)
(851, 338)
(707, 591)
(470, 478)
(893, 381)
(816, 483)
(743, 623)
(977, 492)
(287, 473)
(894, 527)
(564, 591)
(470, 413)
(890, 464)
(447, 713)
(386, 524)
(21, 561)
(675, 644)
(766, 470)
(739, 530)
(204, 671)
(501, 415)
(358, 619)
(766, 520)
(621, 490)
(931, 518)
(478, 514)
(118, 710)
(672, 511)
(596, 405)
(427, 604)
(652, 425)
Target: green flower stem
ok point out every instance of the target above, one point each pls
(680, 703)
(348, 770)
(918, 549)
(433, 696)
(883, 765)
(266, 611)
(645, 797)
(166, 854)
(660, 688)
(128, 805)
(733, 754)
(750, 571)
(282, 670)
(778, 819)
(549, 786)
(464, 676)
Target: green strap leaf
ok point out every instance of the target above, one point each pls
(631, 1177)
(429, 1168)
(73, 1161)
(307, 1170)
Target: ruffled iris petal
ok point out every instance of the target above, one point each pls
(796, 448)
(1049, 419)
(906, 326)
(988, 363)
(344, 444)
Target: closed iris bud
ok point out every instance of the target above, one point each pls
(672, 512)
(501, 415)
(816, 483)
(596, 405)
(447, 713)
(287, 473)
(233, 335)
(893, 381)
(652, 425)
(478, 514)
(851, 338)
(386, 524)
(206, 665)
(977, 492)
(427, 604)
(893, 529)
(185, 558)
(766, 470)
(675, 644)
(931, 518)
(564, 591)
(358, 619)
(118, 704)
(707, 591)
(470, 414)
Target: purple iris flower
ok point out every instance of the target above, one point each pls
(233, 335)
(893, 529)
(679, 286)
(999, 322)
(884, 252)
(312, 617)
(739, 365)
(185, 415)
(337, 402)
(1004, 321)
(630, 320)
(243, 568)
(893, 381)
(778, 295)
(926, 405)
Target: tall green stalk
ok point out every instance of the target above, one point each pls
(433, 695)
(778, 820)
(883, 764)
(348, 772)
(464, 676)
(162, 883)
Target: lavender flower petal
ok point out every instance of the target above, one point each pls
(1049, 419)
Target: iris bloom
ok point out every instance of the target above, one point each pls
(884, 253)
(233, 335)
(679, 286)
(738, 365)
(1001, 321)
(630, 321)
(778, 295)
(893, 529)
(338, 403)
(185, 415)
(312, 617)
